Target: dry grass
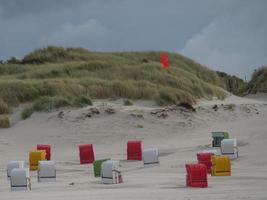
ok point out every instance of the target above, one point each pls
(69, 73)
(4, 121)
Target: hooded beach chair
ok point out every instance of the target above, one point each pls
(20, 179)
(110, 173)
(13, 165)
(205, 158)
(196, 175)
(229, 148)
(86, 152)
(221, 166)
(47, 149)
(134, 150)
(46, 171)
(150, 157)
(35, 157)
(218, 137)
(97, 167)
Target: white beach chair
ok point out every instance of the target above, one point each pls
(110, 173)
(150, 157)
(229, 148)
(46, 171)
(20, 179)
(13, 165)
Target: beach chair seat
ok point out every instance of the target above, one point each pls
(221, 166)
(134, 150)
(47, 149)
(196, 175)
(229, 148)
(97, 167)
(20, 179)
(205, 158)
(150, 157)
(86, 152)
(13, 165)
(110, 173)
(218, 137)
(35, 157)
(46, 171)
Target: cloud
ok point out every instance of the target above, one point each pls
(235, 42)
(89, 33)
(225, 34)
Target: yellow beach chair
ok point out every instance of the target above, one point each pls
(34, 157)
(221, 166)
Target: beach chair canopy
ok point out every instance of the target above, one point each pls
(86, 152)
(134, 150)
(221, 166)
(110, 172)
(20, 179)
(46, 171)
(196, 175)
(205, 158)
(35, 157)
(47, 149)
(13, 165)
(150, 156)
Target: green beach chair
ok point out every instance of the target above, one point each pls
(97, 166)
(218, 137)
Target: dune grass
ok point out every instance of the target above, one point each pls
(69, 76)
(258, 82)
(4, 121)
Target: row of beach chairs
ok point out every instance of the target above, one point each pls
(209, 162)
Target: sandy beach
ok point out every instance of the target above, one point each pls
(178, 134)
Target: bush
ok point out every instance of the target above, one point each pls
(3, 107)
(127, 102)
(4, 121)
(26, 113)
(82, 101)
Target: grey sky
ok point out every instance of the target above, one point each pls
(228, 35)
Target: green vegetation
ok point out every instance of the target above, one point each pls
(4, 121)
(258, 82)
(54, 77)
(46, 103)
(127, 102)
(3, 107)
(233, 84)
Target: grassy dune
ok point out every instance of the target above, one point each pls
(75, 75)
(258, 82)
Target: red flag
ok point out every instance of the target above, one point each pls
(164, 60)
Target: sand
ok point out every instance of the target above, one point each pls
(179, 137)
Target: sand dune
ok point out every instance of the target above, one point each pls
(178, 134)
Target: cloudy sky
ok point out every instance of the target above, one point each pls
(227, 35)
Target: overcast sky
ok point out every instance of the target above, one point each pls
(227, 35)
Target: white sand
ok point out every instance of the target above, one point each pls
(179, 137)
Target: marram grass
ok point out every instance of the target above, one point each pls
(69, 76)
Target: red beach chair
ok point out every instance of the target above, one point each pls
(196, 175)
(47, 149)
(86, 154)
(134, 150)
(205, 158)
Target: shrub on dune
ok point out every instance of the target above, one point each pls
(4, 121)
